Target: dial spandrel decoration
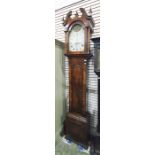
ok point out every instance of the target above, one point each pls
(76, 38)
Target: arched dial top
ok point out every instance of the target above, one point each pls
(76, 38)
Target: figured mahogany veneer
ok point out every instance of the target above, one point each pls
(77, 85)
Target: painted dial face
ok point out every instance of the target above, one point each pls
(76, 38)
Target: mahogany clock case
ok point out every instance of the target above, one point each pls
(77, 121)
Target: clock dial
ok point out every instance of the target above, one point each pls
(76, 38)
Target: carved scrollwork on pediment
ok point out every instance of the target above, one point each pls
(71, 17)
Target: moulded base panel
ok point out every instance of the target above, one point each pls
(76, 128)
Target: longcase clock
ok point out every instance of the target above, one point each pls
(78, 30)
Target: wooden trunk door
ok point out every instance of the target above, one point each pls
(77, 85)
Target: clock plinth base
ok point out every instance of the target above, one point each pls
(77, 128)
